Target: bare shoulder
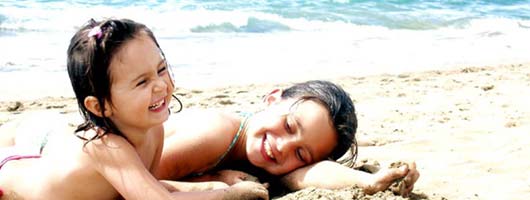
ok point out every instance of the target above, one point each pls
(107, 148)
(193, 130)
(205, 122)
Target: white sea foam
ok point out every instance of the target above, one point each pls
(249, 45)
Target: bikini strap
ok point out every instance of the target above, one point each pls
(245, 116)
(16, 157)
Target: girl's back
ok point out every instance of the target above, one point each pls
(64, 171)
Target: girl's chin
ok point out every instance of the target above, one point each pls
(255, 158)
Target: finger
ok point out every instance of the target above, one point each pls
(409, 181)
(266, 196)
(416, 176)
(412, 177)
(266, 184)
(263, 194)
(395, 173)
(411, 164)
(416, 172)
(249, 177)
(244, 177)
(236, 180)
(408, 190)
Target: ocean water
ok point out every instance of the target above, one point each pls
(215, 43)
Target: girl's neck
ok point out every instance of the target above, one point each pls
(137, 136)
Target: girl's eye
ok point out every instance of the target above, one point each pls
(288, 127)
(162, 70)
(141, 83)
(299, 155)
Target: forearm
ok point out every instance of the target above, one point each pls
(178, 186)
(218, 194)
(241, 190)
(212, 190)
(327, 174)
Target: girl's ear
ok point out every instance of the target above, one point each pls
(93, 106)
(273, 97)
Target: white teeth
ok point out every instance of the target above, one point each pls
(156, 105)
(268, 149)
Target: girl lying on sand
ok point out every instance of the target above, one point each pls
(297, 136)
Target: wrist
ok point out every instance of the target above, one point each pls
(228, 193)
(369, 186)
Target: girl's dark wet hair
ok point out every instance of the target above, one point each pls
(341, 112)
(88, 61)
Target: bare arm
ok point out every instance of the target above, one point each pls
(179, 186)
(226, 176)
(332, 175)
(326, 174)
(118, 162)
(217, 190)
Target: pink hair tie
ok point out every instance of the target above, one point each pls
(96, 31)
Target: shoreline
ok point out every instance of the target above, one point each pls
(35, 85)
(63, 95)
(466, 128)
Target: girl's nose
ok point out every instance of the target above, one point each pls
(286, 143)
(160, 84)
(287, 147)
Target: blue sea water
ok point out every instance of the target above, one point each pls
(216, 43)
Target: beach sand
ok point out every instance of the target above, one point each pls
(466, 128)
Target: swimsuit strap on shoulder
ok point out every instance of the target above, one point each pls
(245, 116)
(16, 157)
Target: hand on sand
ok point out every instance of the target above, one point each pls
(399, 177)
(247, 190)
(232, 177)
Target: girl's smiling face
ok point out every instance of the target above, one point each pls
(288, 135)
(140, 85)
